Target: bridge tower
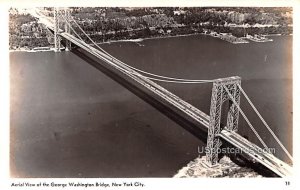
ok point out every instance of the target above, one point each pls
(57, 38)
(56, 30)
(67, 27)
(219, 96)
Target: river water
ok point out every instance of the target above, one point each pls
(70, 120)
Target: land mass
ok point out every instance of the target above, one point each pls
(232, 24)
(225, 168)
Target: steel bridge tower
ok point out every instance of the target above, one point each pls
(67, 27)
(56, 30)
(57, 38)
(219, 96)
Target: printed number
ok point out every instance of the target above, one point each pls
(287, 183)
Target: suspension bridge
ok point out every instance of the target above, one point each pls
(68, 32)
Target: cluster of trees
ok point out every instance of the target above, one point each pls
(143, 33)
(220, 19)
(195, 19)
(274, 10)
(191, 20)
(241, 32)
(25, 38)
(137, 12)
(121, 35)
(125, 23)
(16, 21)
(29, 43)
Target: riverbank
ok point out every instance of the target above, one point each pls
(223, 36)
(149, 38)
(36, 49)
(226, 168)
(51, 48)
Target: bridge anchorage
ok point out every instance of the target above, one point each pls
(219, 96)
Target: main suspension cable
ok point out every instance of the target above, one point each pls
(177, 82)
(246, 119)
(265, 123)
(148, 73)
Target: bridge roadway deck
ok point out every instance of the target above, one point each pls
(248, 149)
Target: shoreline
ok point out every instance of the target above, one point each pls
(51, 48)
(138, 40)
(29, 50)
(148, 38)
